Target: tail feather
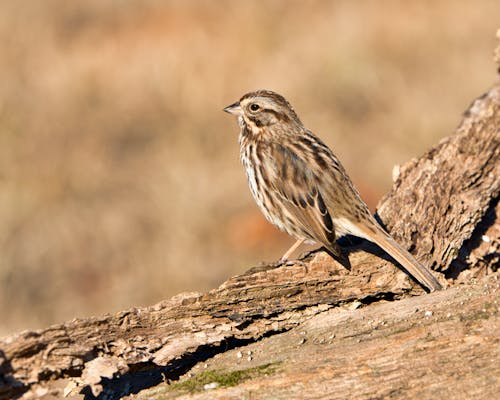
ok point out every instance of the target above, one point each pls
(422, 274)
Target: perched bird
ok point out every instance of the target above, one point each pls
(300, 185)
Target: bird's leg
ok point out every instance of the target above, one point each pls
(291, 250)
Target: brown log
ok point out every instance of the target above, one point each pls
(444, 345)
(440, 199)
(443, 207)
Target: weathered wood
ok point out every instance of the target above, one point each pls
(441, 346)
(438, 200)
(439, 207)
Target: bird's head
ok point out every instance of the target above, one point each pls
(263, 108)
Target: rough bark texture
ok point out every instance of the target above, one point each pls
(449, 189)
(444, 207)
(440, 346)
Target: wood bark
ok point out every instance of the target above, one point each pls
(443, 207)
(444, 345)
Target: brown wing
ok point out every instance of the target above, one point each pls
(297, 186)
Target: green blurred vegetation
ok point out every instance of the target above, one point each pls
(120, 182)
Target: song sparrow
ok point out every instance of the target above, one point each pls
(300, 185)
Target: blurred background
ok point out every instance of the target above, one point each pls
(120, 182)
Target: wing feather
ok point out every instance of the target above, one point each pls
(297, 188)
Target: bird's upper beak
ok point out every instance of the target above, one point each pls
(234, 108)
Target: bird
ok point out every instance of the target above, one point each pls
(300, 185)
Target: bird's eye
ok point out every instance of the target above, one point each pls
(254, 107)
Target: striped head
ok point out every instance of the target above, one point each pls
(263, 109)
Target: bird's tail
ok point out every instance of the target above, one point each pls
(422, 274)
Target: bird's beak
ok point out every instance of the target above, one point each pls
(234, 108)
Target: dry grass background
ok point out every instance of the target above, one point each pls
(120, 183)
